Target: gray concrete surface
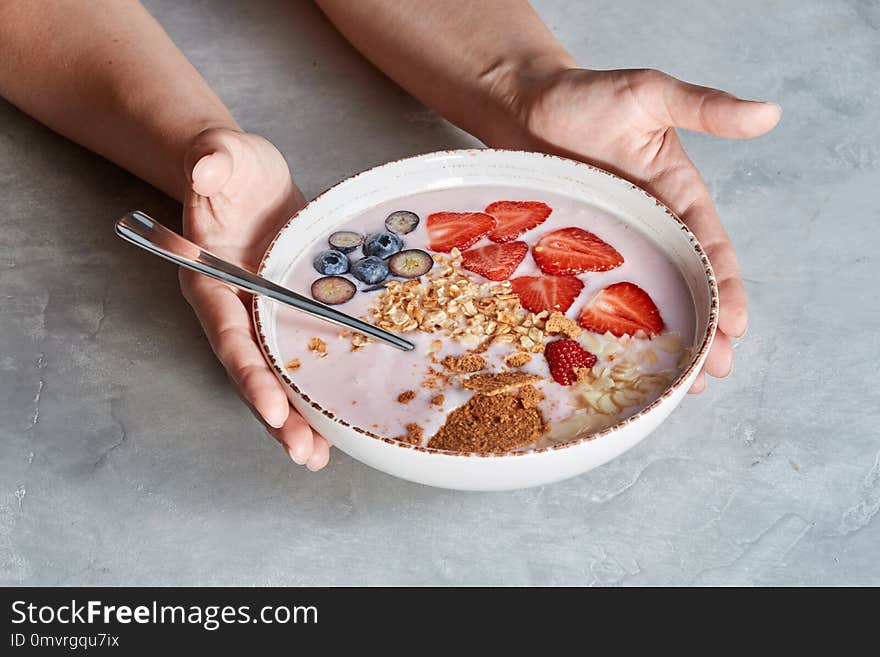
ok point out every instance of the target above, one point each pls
(125, 458)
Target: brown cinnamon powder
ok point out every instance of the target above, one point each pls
(406, 396)
(494, 383)
(530, 396)
(437, 400)
(497, 423)
(414, 434)
(465, 364)
(435, 379)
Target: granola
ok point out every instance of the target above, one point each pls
(450, 302)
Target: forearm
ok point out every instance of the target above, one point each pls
(468, 60)
(104, 74)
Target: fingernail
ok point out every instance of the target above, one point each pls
(741, 335)
(296, 456)
(203, 162)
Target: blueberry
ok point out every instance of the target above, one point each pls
(370, 270)
(345, 240)
(333, 290)
(411, 263)
(402, 222)
(382, 245)
(331, 262)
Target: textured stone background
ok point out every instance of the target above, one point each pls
(125, 458)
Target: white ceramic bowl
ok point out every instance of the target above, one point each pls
(533, 171)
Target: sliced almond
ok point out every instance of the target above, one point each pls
(647, 356)
(606, 405)
(668, 342)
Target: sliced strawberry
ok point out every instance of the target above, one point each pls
(621, 308)
(495, 261)
(516, 217)
(564, 357)
(457, 230)
(573, 251)
(537, 293)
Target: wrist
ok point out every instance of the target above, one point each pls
(514, 90)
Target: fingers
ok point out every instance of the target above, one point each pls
(227, 324)
(733, 315)
(699, 385)
(683, 189)
(210, 161)
(296, 437)
(302, 443)
(211, 173)
(719, 360)
(693, 107)
(321, 454)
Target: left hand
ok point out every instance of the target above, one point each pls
(240, 194)
(624, 121)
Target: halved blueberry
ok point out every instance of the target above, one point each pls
(333, 290)
(382, 245)
(370, 270)
(402, 222)
(411, 263)
(331, 262)
(345, 241)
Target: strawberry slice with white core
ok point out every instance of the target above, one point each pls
(516, 217)
(457, 230)
(574, 251)
(495, 261)
(537, 293)
(622, 308)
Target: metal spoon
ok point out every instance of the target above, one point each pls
(147, 233)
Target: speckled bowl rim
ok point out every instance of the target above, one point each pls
(708, 336)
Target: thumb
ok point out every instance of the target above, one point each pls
(717, 112)
(210, 161)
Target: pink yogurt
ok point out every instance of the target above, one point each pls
(361, 387)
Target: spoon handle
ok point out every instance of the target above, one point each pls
(144, 231)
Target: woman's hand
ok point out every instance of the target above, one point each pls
(624, 121)
(240, 194)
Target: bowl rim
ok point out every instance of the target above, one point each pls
(698, 357)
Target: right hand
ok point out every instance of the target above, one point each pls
(240, 194)
(624, 121)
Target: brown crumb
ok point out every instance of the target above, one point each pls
(483, 346)
(318, 346)
(465, 364)
(437, 400)
(494, 383)
(434, 379)
(498, 423)
(359, 341)
(583, 373)
(530, 396)
(414, 434)
(293, 365)
(406, 396)
(559, 323)
(517, 359)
